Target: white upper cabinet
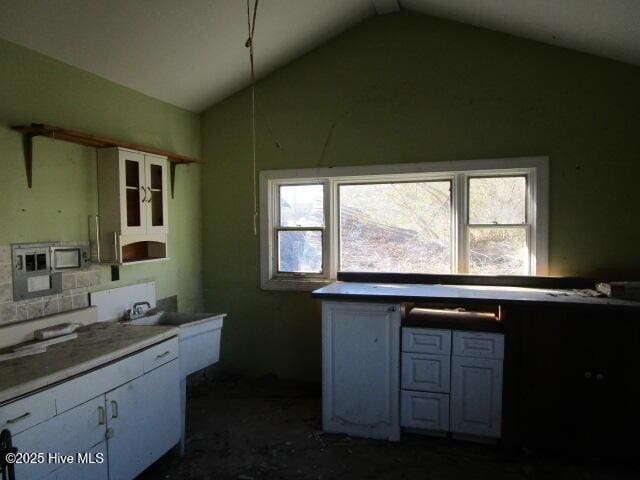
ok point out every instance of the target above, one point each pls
(133, 206)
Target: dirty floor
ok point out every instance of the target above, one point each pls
(269, 429)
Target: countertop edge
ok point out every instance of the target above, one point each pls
(33, 386)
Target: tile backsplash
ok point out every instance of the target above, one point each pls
(75, 288)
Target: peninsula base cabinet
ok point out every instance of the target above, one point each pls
(361, 371)
(121, 418)
(452, 382)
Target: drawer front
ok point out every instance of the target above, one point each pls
(77, 430)
(478, 344)
(426, 340)
(160, 354)
(85, 387)
(27, 412)
(425, 372)
(429, 411)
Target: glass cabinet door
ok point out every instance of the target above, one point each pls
(134, 195)
(156, 170)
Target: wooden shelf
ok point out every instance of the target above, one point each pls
(73, 136)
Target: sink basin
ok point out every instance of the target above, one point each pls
(199, 336)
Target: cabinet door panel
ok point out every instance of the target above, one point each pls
(427, 373)
(476, 396)
(429, 411)
(144, 417)
(96, 470)
(133, 193)
(157, 200)
(361, 350)
(77, 430)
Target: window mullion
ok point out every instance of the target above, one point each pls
(461, 209)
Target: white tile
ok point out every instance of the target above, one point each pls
(51, 306)
(68, 281)
(35, 310)
(7, 312)
(5, 273)
(6, 292)
(80, 301)
(5, 253)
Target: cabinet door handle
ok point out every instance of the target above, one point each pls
(20, 418)
(101, 416)
(162, 355)
(150, 194)
(114, 409)
(144, 199)
(115, 246)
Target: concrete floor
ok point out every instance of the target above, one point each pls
(269, 429)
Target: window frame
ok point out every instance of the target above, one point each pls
(535, 169)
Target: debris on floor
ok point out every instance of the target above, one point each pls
(241, 429)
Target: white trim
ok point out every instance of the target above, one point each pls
(535, 168)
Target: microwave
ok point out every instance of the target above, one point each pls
(69, 258)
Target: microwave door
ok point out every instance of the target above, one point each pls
(66, 258)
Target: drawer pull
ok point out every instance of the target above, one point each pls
(162, 355)
(114, 409)
(101, 416)
(20, 418)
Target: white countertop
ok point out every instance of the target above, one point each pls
(404, 292)
(97, 344)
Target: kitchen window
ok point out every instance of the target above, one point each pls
(483, 217)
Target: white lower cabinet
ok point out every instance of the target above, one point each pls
(459, 393)
(360, 369)
(141, 427)
(129, 421)
(476, 396)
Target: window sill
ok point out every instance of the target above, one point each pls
(297, 285)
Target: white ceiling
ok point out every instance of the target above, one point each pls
(191, 53)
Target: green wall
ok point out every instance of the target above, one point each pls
(36, 88)
(410, 88)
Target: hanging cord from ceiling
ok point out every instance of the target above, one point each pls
(251, 25)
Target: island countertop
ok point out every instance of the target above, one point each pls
(96, 345)
(470, 294)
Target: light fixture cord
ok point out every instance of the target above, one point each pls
(251, 26)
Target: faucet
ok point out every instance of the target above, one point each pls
(136, 311)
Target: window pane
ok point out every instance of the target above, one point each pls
(498, 200)
(300, 252)
(396, 227)
(301, 206)
(498, 251)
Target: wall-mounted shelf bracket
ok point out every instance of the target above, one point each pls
(57, 133)
(172, 175)
(27, 146)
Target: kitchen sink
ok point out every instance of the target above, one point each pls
(199, 336)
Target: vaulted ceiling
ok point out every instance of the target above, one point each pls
(191, 53)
